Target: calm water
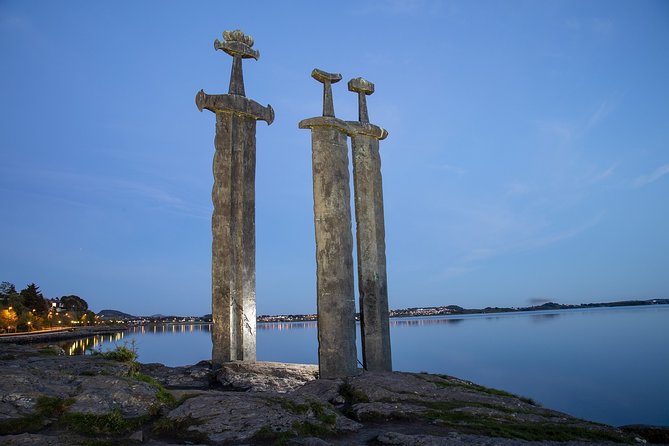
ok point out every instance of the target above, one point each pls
(606, 364)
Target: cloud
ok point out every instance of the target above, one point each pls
(604, 109)
(555, 237)
(454, 271)
(567, 131)
(658, 173)
(156, 196)
(596, 177)
(557, 130)
(469, 262)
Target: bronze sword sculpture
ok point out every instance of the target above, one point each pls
(233, 219)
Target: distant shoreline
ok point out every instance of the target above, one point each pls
(450, 310)
(59, 335)
(84, 332)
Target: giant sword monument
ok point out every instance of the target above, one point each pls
(233, 270)
(337, 355)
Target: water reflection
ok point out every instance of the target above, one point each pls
(544, 317)
(85, 346)
(110, 341)
(287, 325)
(170, 328)
(425, 321)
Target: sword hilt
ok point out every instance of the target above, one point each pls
(327, 79)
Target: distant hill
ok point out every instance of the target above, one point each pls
(114, 315)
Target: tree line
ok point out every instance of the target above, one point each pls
(28, 310)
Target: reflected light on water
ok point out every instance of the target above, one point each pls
(425, 321)
(170, 328)
(85, 346)
(287, 325)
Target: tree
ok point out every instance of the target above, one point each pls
(7, 291)
(74, 303)
(8, 319)
(32, 299)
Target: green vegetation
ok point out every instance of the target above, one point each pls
(179, 430)
(449, 382)
(351, 394)
(320, 414)
(472, 423)
(46, 409)
(121, 353)
(100, 442)
(29, 423)
(127, 353)
(163, 395)
(322, 426)
(297, 429)
(309, 429)
(91, 424)
(49, 351)
(276, 437)
(28, 310)
(51, 406)
(314, 407)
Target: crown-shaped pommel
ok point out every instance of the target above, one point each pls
(236, 43)
(360, 85)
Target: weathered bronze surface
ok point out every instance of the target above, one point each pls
(337, 356)
(233, 220)
(370, 234)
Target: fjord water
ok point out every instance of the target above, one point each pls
(609, 365)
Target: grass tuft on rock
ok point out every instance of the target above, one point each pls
(93, 424)
(51, 406)
(446, 381)
(163, 396)
(47, 409)
(471, 423)
(50, 351)
(179, 429)
(351, 394)
(121, 354)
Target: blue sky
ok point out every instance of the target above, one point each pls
(528, 156)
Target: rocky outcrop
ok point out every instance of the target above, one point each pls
(84, 384)
(265, 376)
(54, 400)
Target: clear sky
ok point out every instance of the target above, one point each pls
(528, 156)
